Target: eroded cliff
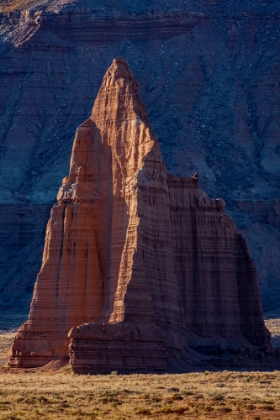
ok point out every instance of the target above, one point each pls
(209, 76)
(138, 265)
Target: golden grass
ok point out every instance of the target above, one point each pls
(61, 395)
(6, 339)
(36, 394)
(11, 5)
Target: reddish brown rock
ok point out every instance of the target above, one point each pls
(209, 75)
(138, 265)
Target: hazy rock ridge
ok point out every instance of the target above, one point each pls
(134, 256)
(209, 76)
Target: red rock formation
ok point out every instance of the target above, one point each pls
(209, 75)
(138, 264)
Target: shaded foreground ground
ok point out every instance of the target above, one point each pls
(34, 394)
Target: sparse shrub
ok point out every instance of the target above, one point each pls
(156, 399)
(144, 411)
(218, 397)
(166, 410)
(267, 407)
(127, 391)
(115, 404)
(180, 410)
(173, 390)
(225, 409)
(177, 397)
(169, 401)
(188, 393)
(198, 396)
(43, 400)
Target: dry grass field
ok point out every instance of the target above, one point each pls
(38, 394)
(61, 395)
(6, 339)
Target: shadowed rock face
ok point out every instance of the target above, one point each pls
(138, 265)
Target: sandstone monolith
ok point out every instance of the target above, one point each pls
(139, 266)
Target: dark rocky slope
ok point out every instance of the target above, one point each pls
(209, 76)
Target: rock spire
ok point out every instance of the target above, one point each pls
(138, 265)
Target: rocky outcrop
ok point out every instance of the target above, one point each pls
(209, 77)
(138, 265)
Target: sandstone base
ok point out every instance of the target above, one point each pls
(123, 347)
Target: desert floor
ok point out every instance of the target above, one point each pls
(35, 394)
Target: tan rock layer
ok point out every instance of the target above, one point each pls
(145, 260)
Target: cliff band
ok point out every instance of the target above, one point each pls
(139, 266)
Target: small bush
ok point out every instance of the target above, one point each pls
(177, 397)
(198, 396)
(173, 390)
(144, 411)
(218, 397)
(225, 409)
(188, 393)
(267, 407)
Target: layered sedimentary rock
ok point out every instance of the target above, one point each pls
(138, 264)
(209, 76)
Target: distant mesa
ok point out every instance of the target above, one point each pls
(141, 269)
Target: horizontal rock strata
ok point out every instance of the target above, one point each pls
(138, 265)
(121, 347)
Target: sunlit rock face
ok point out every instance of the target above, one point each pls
(139, 265)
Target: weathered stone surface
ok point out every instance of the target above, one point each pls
(138, 265)
(121, 347)
(209, 76)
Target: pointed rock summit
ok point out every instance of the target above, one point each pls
(139, 266)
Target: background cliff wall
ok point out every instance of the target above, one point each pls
(208, 72)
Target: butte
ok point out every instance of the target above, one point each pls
(140, 268)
